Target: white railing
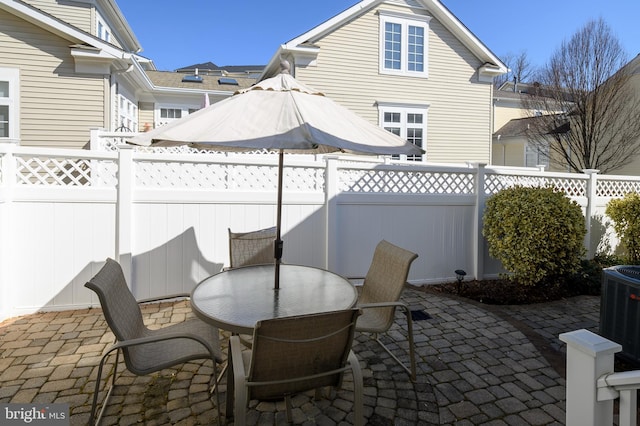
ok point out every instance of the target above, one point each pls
(592, 384)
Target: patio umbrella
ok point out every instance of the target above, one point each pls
(278, 114)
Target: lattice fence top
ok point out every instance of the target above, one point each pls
(572, 187)
(223, 177)
(75, 168)
(67, 172)
(406, 181)
(616, 187)
(112, 143)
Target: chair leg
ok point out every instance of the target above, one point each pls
(240, 403)
(216, 380)
(358, 411)
(412, 353)
(93, 419)
(287, 403)
(412, 357)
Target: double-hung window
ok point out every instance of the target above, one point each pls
(407, 121)
(537, 154)
(127, 114)
(9, 104)
(403, 44)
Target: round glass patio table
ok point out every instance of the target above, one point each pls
(235, 300)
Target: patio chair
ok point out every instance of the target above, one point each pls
(380, 296)
(146, 351)
(251, 248)
(292, 355)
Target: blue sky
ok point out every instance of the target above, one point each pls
(177, 34)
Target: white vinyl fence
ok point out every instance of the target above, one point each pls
(165, 215)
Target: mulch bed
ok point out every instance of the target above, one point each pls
(504, 292)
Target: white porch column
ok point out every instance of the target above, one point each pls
(589, 356)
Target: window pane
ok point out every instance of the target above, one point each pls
(414, 118)
(394, 130)
(4, 89)
(416, 49)
(415, 137)
(391, 117)
(392, 46)
(4, 121)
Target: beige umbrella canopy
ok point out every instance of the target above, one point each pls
(278, 114)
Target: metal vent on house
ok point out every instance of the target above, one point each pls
(192, 79)
(227, 80)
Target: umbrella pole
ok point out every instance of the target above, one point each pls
(278, 244)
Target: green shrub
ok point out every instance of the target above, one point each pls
(625, 214)
(537, 233)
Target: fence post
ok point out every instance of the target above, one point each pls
(478, 240)
(94, 139)
(7, 233)
(124, 207)
(592, 186)
(589, 356)
(331, 209)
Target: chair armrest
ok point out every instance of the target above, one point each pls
(163, 337)
(382, 305)
(159, 298)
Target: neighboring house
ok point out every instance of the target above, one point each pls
(632, 169)
(69, 66)
(173, 95)
(511, 121)
(410, 66)
(511, 146)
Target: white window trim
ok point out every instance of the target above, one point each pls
(159, 121)
(12, 75)
(405, 108)
(127, 118)
(405, 20)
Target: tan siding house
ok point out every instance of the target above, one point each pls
(78, 14)
(57, 104)
(444, 104)
(61, 76)
(66, 68)
(69, 69)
